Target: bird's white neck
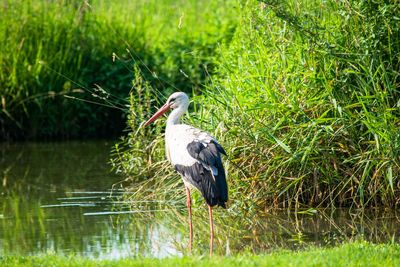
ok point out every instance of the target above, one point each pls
(174, 117)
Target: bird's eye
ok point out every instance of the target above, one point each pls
(172, 100)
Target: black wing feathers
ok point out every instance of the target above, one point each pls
(207, 175)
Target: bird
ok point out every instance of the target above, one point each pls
(197, 156)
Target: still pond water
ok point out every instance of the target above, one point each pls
(59, 198)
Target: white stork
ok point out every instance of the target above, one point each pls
(196, 155)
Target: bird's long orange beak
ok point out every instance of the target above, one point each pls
(159, 112)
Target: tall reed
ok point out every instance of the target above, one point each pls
(307, 104)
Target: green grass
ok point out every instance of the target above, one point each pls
(353, 254)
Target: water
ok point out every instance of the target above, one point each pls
(51, 194)
(59, 197)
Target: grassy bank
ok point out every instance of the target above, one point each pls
(90, 50)
(355, 254)
(305, 101)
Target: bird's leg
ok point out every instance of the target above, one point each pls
(189, 205)
(211, 229)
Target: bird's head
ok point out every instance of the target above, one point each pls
(176, 100)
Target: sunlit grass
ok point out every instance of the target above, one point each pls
(353, 254)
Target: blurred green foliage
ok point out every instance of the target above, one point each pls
(88, 49)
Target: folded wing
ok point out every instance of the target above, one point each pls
(205, 171)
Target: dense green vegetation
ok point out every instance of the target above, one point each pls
(304, 95)
(305, 100)
(353, 254)
(89, 50)
(311, 103)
